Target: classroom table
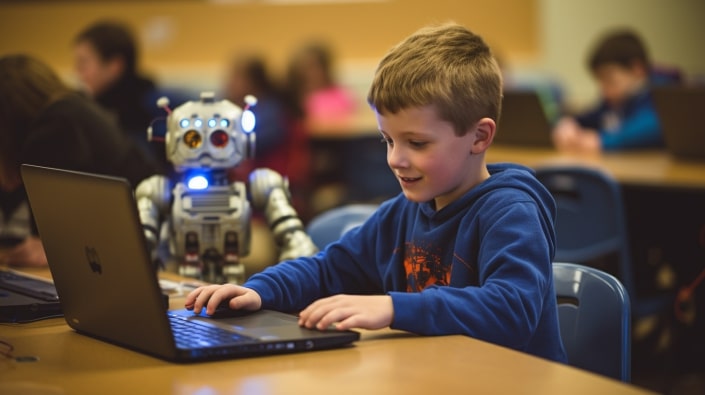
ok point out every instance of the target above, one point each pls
(644, 168)
(62, 361)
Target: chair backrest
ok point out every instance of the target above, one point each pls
(594, 313)
(330, 225)
(591, 220)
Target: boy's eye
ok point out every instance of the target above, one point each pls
(418, 144)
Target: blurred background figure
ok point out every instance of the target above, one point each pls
(625, 117)
(281, 143)
(43, 122)
(106, 62)
(326, 105)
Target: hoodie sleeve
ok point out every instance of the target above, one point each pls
(514, 268)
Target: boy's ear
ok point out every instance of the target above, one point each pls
(484, 134)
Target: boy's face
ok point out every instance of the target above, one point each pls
(617, 83)
(430, 161)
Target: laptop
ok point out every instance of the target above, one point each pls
(681, 111)
(97, 255)
(523, 121)
(24, 298)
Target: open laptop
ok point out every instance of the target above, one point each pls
(523, 121)
(108, 288)
(681, 111)
(24, 298)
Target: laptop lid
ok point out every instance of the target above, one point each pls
(681, 111)
(99, 261)
(523, 121)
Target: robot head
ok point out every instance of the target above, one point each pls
(209, 134)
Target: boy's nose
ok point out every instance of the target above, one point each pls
(395, 158)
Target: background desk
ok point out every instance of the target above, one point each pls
(382, 362)
(653, 168)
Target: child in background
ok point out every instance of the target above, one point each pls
(106, 58)
(326, 106)
(466, 248)
(625, 118)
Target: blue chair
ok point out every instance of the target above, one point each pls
(591, 225)
(594, 318)
(329, 225)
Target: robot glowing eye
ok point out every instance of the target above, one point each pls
(184, 123)
(192, 139)
(197, 122)
(211, 123)
(224, 123)
(248, 121)
(198, 182)
(219, 138)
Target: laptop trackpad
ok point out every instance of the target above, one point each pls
(265, 324)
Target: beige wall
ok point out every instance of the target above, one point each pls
(191, 40)
(188, 42)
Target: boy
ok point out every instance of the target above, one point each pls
(465, 249)
(625, 118)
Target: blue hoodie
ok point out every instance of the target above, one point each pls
(481, 266)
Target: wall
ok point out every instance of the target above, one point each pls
(190, 41)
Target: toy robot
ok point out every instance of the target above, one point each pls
(203, 219)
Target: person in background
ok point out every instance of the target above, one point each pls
(466, 248)
(326, 106)
(106, 62)
(280, 141)
(43, 122)
(625, 117)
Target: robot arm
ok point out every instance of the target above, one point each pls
(270, 194)
(153, 197)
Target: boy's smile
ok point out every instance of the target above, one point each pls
(430, 161)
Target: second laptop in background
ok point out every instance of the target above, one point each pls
(523, 121)
(681, 110)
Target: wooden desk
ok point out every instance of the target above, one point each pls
(382, 362)
(652, 168)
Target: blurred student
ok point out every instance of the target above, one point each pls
(326, 105)
(43, 122)
(106, 61)
(467, 248)
(625, 117)
(281, 143)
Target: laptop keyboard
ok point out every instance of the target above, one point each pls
(197, 334)
(29, 286)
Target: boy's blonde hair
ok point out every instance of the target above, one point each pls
(446, 66)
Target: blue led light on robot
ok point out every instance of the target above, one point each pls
(248, 121)
(184, 123)
(198, 122)
(212, 123)
(224, 123)
(198, 182)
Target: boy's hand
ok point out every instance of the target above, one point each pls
(29, 253)
(210, 296)
(349, 311)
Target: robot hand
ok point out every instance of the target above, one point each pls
(270, 194)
